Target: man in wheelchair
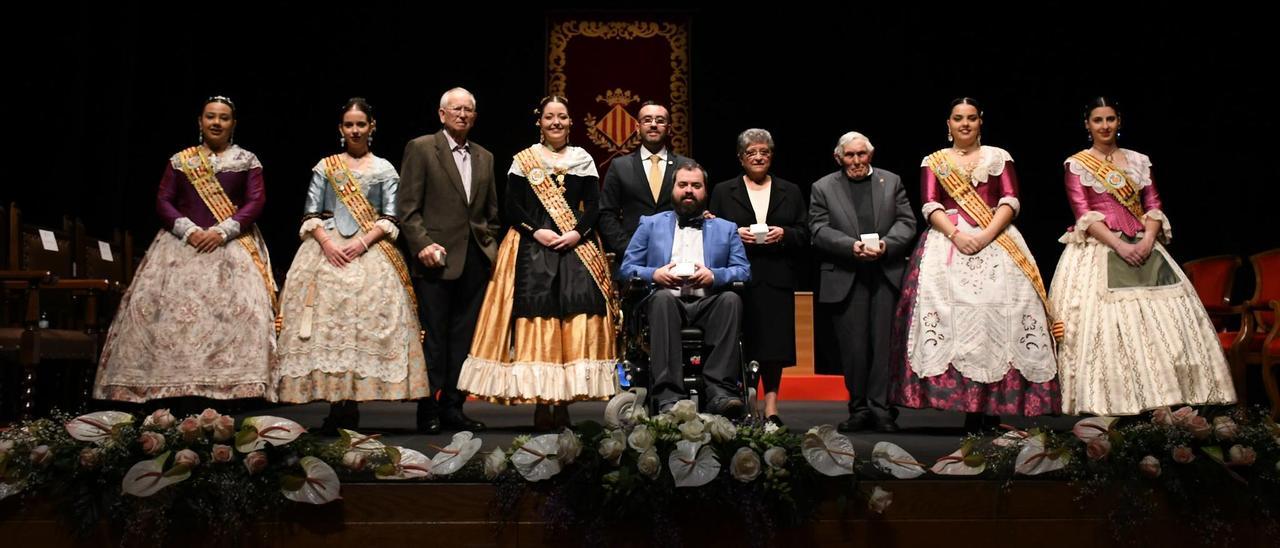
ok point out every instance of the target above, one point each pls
(690, 261)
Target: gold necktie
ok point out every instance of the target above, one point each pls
(655, 176)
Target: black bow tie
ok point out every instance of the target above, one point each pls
(692, 222)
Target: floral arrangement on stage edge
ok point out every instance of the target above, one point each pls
(670, 468)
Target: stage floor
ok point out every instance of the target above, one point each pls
(926, 434)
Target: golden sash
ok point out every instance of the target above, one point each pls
(352, 196)
(1117, 183)
(195, 165)
(959, 187)
(552, 197)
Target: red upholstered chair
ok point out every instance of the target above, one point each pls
(1260, 346)
(1271, 361)
(1213, 278)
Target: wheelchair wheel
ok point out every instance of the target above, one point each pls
(622, 409)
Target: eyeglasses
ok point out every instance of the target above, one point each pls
(460, 110)
(761, 153)
(649, 120)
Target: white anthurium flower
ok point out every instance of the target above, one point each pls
(1012, 438)
(364, 443)
(536, 459)
(1034, 459)
(405, 464)
(457, 454)
(97, 427)
(10, 489)
(256, 432)
(1092, 427)
(963, 462)
(319, 486)
(827, 451)
(569, 446)
(894, 460)
(693, 464)
(148, 477)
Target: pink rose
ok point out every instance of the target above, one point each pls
(1225, 428)
(222, 453)
(354, 460)
(1149, 466)
(41, 455)
(189, 428)
(1098, 448)
(187, 457)
(1183, 416)
(160, 419)
(1162, 416)
(88, 457)
(1199, 427)
(1183, 455)
(1241, 455)
(152, 442)
(224, 428)
(208, 417)
(255, 462)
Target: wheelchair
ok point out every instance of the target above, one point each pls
(633, 343)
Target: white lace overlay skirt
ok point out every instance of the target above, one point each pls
(978, 313)
(1131, 349)
(363, 342)
(190, 324)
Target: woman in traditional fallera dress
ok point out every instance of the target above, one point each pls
(1137, 336)
(197, 319)
(971, 330)
(546, 330)
(349, 323)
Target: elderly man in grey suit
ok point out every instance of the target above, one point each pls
(639, 183)
(448, 208)
(862, 226)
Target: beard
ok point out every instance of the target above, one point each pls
(690, 210)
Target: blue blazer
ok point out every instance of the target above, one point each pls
(650, 249)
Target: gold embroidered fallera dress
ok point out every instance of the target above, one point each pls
(545, 334)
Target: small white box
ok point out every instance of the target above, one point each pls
(871, 240)
(683, 270)
(440, 257)
(761, 230)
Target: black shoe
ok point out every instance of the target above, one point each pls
(857, 422)
(886, 425)
(329, 427)
(776, 420)
(456, 420)
(727, 407)
(428, 417)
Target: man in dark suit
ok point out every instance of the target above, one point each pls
(863, 227)
(639, 183)
(448, 207)
(690, 259)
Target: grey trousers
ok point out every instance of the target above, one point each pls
(719, 315)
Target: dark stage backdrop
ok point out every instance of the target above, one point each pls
(100, 96)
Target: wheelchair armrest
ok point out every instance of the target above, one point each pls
(637, 286)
